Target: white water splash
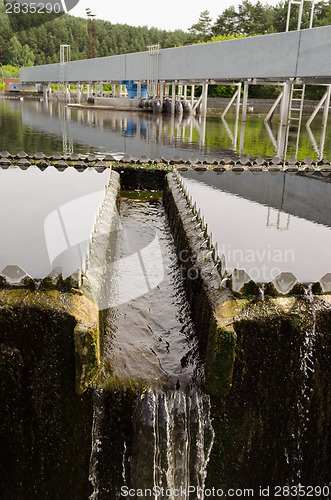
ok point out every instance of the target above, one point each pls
(182, 437)
(307, 362)
(96, 444)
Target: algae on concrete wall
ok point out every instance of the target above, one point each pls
(45, 427)
(273, 427)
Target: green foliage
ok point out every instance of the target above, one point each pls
(41, 45)
(8, 71)
(202, 29)
(251, 19)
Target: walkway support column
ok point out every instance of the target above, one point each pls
(161, 94)
(284, 109)
(192, 95)
(204, 99)
(243, 118)
(173, 98)
(79, 94)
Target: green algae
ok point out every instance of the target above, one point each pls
(219, 369)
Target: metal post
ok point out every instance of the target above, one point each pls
(204, 98)
(243, 118)
(326, 107)
(161, 93)
(203, 131)
(79, 94)
(288, 16)
(318, 107)
(300, 14)
(245, 100)
(273, 108)
(236, 125)
(173, 98)
(233, 98)
(284, 108)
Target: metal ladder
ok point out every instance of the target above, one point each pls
(297, 95)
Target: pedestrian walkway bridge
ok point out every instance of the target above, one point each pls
(303, 54)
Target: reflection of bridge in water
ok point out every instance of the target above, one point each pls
(132, 133)
(292, 60)
(304, 196)
(149, 134)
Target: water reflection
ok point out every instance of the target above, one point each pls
(50, 126)
(267, 224)
(48, 217)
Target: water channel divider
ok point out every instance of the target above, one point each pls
(239, 282)
(100, 162)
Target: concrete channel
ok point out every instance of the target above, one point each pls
(265, 360)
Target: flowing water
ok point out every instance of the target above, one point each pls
(152, 422)
(307, 368)
(149, 343)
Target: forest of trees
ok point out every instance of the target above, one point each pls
(41, 45)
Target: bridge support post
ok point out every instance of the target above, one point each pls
(192, 95)
(284, 109)
(173, 98)
(243, 118)
(161, 94)
(204, 99)
(79, 94)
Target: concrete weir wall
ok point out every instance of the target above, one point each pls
(49, 356)
(209, 299)
(45, 422)
(267, 369)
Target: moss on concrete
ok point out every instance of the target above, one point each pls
(45, 427)
(219, 368)
(78, 307)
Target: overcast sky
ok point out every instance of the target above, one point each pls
(167, 14)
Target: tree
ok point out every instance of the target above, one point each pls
(14, 51)
(26, 57)
(202, 29)
(249, 19)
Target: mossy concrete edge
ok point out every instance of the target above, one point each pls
(212, 303)
(86, 331)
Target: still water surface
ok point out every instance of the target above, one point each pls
(267, 224)
(50, 126)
